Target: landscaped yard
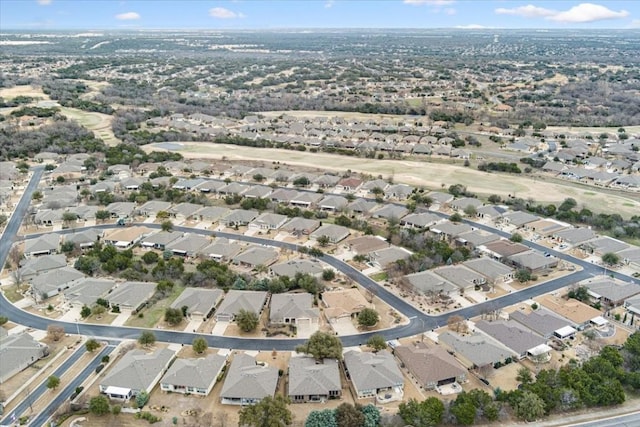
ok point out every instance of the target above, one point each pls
(151, 316)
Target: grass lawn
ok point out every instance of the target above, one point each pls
(14, 292)
(151, 316)
(379, 277)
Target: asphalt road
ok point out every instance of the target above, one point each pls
(70, 388)
(35, 394)
(628, 420)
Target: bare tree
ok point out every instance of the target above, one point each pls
(55, 332)
(457, 323)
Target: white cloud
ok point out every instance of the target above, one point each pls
(222, 13)
(329, 4)
(429, 2)
(471, 27)
(588, 12)
(528, 11)
(44, 2)
(584, 12)
(128, 16)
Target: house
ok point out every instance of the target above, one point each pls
(518, 218)
(603, 245)
(611, 292)
(631, 257)
(345, 303)
(305, 199)
(541, 321)
(431, 367)
(578, 313)
(258, 192)
(222, 249)
(514, 336)
(494, 271)
(502, 249)
(269, 221)
(463, 203)
(373, 373)
(474, 238)
(335, 233)
(301, 226)
(184, 211)
(366, 244)
(362, 206)
(18, 352)
(87, 290)
(349, 185)
(632, 305)
(390, 211)
(283, 195)
(188, 245)
(382, 258)
(46, 244)
(293, 309)
(474, 350)
(448, 230)
(420, 220)
(238, 218)
(545, 227)
(121, 209)
(193, 376)
(52, 282)
(313, 381)
(160, 239)
(333, 203)
(491, 212)
(131, 296)
(440, 198)
(290, 268)
(464, 278)
(137, 371)
(210, 186)
(48, 217)
(83, 239)
(211, 213)
(125, 238)
(200, 302)
(429, 283)
(248, 382)
(398, 191)
(574, 236)
(534, 262)
(254, 256)
(30, 267)
(236, 300)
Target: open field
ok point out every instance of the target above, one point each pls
(95, 122)
(432, 175)
(28, 90)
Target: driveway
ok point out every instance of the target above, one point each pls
(344, 326)
(306, 329)
(219, 328)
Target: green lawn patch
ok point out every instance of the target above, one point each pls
(380, 277)
(151, 316)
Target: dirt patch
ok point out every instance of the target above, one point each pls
(96, 122)
(12, 92)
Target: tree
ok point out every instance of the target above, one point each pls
(524, 376)
(328, 274)
(269, 412)
(3, 219)
(529, 407)
(456, 217)
(470, 210)
(199, 345)
(516, 237)
(166, 225)
(3, 320)
(102, 215)
(247, 320)
(457, 323)
(55, 332)
(523, 275)
(68, 217)
(348, 415)
(322, 345)
(85, 311)
(173, 316)
(323, 418)
(581, 293)
(142, 399)
(610, 258)
(323, 240)
(368, 317)
(465, 412)
(377, 343)
(147, 338)
(99, 405)
(427, 413)
(92, 345)
(150, 257)
(53, 382)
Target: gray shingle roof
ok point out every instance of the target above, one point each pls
(294, 266)
(429, 365)
(87, 290)
(132, 294)
(372, 371)
(235, 301)
(247, 380)
(477, 348)
(292, 306)
(137, 369)
(198, 373)
(198, 301)
(306, 377)
(511, 334)
(542, 321)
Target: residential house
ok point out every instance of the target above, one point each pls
(448, 230)
(518, 218)
(611, 292)
(87, 290)
(160, 239)
(333, 203)
(603, 245)
(335, 233)
(534, 262)
(125, 238)
(52, 282)
(464, 278)
(631, 257)
(373, 373)
(491, 212)
(390, 211)
(193, 376)
(131, 296)
(48, 217)
(344, 303)
(211, 213)
(383, 258)
(235, 300)
(238, 218)
(632, 305)
(313, 381)
(546, 227)
(326, 180)
(398, 191)
(494, 271)
(18, 352)
(440, 198)
(502, 249)
(474, 238)
(474, 350)
(349, 185)
(463, 203)
(269, 221)
(184, 211)
(290, 268)
(136, 372)
(541, 321)
(431, 367)
(429, 283)
(31, 267)
(293, 309)
(301, 226)
(83, 239)
(574, 236)
(366, 244)
(362, 206)
(515, 337)
(121, 209)
(283, 195)
(222, 249)
(210, 186)
(306, 199)
(200, 302)
(254, 256)
(420, 220)
(47, 244)
(189, 245)
(248, 382)
(578, 313)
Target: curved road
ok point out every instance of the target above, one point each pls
(418, 321)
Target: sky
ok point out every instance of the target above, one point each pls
(267, 14)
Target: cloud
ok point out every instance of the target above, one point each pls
(429, 2)
(329, 4)
(588, 12)
(222, 13)
(528, 11)
(44, 2)
(128, 16)
(584, 12)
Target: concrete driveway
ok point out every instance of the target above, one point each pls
(219, 328)
(344, 326)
